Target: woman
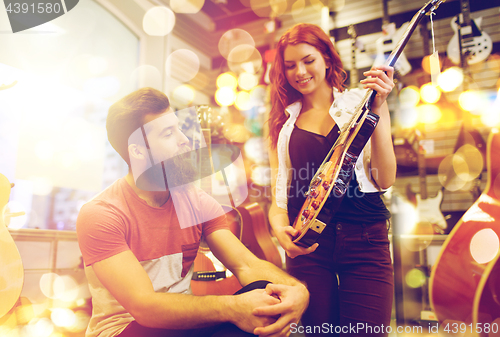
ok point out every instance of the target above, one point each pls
(348, 271)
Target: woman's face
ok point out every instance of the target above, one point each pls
(305, 68)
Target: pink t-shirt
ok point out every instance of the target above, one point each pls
(118, 220)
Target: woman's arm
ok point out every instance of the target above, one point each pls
(383, 160)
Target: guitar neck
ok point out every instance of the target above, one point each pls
(422, 173)
(206, 164)
(354, 70)
(465, 9)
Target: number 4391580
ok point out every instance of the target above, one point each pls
(41, 8)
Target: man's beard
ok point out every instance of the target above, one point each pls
(173, 172)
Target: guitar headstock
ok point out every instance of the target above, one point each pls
(211, 123)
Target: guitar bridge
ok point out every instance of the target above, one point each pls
(318, 226)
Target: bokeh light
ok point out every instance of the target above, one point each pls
(158, 21)
(244, 58)
(468, 100)
(430, 93)
(319, 4)
(268, 8)
(184, 94)
(415, 278)
(39, 327)
(182, 64)
(232, 38)
(186, 6)
(297, 9)
(408, 118)
(428, 113)
(484, 245)
(447, 176)
(261, 175)
(225, 96)
(450, 79)
(227, 80)
(243, 101)
(409, 96)
(474, 159)
(63, 317)
(64, 287)
(247, 81)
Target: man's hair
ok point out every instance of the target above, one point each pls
(127, 115)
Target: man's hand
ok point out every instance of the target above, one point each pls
(245, 304)
(294, 301)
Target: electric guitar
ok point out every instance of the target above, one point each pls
(430, 217)
(337, 169)
(469, 40)
(11, 266)
(388, 42)
(464, 282)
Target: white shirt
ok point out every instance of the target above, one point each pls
(341, 111)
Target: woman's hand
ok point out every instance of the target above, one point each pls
(381, 80)
(285, 234)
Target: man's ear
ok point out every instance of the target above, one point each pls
(136, 151)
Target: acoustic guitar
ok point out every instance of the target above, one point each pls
(11, 266)
(464, 284)
(247, 222)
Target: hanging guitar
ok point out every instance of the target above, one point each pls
(336, 171)
(11, 266)
(430, 217)
(469, 39)
(387, 43)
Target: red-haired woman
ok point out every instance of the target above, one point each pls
(348, 271)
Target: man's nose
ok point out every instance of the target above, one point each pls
(182, 139)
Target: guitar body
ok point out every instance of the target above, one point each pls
(477, 45)
(209, 280)
(11, 267)
(334, 178)
(464, 282)
(429, 210)
(256, 236)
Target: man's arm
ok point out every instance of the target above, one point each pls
(293, 295)
(128, 282)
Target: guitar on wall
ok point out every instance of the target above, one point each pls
(388, 42)
(465, 279)
(469, 40)
(430, 217)
(11, 266)
(247, 222)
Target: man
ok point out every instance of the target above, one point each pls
(139, 244)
